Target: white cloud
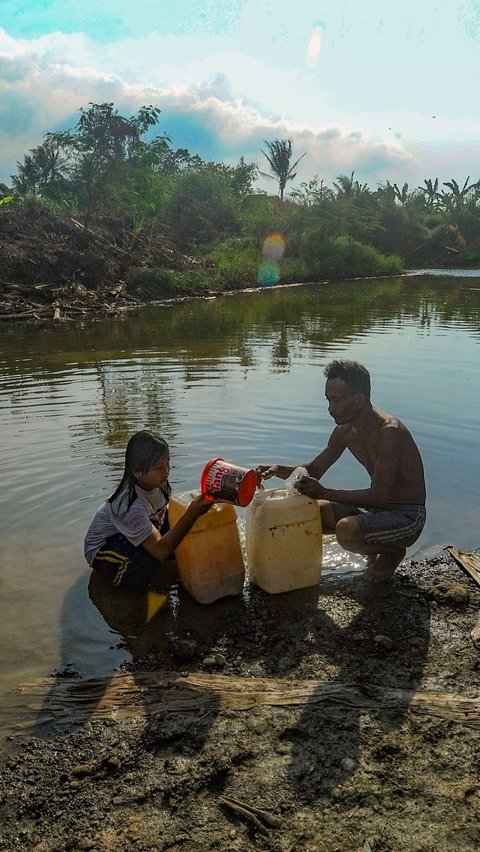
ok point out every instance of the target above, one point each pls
(236, 100)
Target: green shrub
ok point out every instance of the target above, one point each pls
(344, 257)
(160, 283)
(234, 265)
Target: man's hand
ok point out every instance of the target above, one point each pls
(311, 487)
(265, 471)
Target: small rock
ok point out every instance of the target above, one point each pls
(348, 764)
(113, 764)
(385, 642)
(83, 769)
(449, 592)
(257, 724)
(184, 650)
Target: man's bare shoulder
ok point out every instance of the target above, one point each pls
(340, 434)
(388, 421)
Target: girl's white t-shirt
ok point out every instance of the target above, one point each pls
(146, 514)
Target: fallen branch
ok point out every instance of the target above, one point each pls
(470, 562)
(266, 816)
(255, 814)
(19, 315)
(126, 696)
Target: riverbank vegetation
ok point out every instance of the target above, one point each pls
(110, 213)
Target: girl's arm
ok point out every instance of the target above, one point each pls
(162, 547)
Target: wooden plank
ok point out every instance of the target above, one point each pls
(470, 562)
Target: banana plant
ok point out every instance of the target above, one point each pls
(458, 196)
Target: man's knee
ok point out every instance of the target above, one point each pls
(349, 533)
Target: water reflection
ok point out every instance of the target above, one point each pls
(142, 619)
(239, 377)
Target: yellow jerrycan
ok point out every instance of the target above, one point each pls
(284, 541)
(209, 559)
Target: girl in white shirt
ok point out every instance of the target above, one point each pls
(130, 534)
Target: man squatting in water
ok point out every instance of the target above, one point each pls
(381, 521)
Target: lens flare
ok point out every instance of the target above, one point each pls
(268, 273)
(314, 45)
(273, 247)
(272, 252)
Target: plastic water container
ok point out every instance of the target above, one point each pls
(224, 481)
(284, 541)
(209, 559)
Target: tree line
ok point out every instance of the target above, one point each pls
(113, 168)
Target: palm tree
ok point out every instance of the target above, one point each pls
(279, 156)
(48, 161)
(40, 168)
(27, 179)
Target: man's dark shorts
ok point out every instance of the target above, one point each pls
(398, 524)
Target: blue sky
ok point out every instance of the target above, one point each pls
(388, 90)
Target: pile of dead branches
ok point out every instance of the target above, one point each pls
(51, 266)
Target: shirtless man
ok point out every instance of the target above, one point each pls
(381, 521)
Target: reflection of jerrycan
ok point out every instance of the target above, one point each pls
(140, 616)
(209, 559)
(284, 541)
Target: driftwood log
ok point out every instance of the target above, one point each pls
(470, 562)
(123, 696)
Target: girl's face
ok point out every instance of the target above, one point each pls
(157, 475)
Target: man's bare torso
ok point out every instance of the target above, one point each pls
(368, 442)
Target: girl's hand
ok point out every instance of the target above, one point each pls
(200, 505)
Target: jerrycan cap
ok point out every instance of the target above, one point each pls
(222, 480)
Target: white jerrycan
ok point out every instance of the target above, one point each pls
(284, 541)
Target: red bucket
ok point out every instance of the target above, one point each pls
(222, 480)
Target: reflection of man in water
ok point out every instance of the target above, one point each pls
(381, 521)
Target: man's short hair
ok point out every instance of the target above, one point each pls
(355, 375)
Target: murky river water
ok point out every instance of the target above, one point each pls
(240, 377)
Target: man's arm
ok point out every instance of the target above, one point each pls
(332, 452)
(384, 477)
(316, 468)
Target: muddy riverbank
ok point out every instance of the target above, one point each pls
(53, 268)
(315, 720)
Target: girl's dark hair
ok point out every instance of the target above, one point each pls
(142, 453)
(355, 375)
